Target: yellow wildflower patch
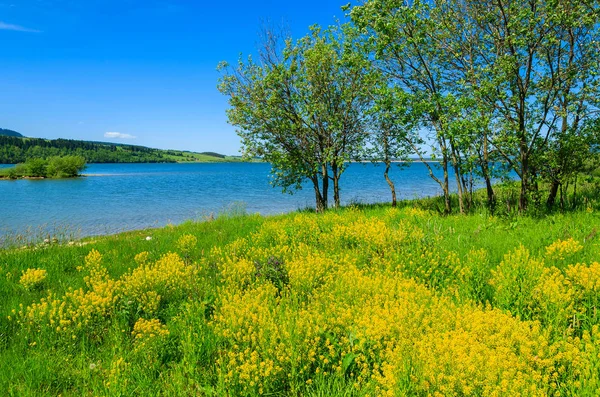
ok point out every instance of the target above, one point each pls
(32, 278)
(562, 249)
(149, 329)
(306, 303)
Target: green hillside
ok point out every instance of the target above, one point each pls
(6, 132)
(17, 149)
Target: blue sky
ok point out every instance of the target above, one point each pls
(142, 71)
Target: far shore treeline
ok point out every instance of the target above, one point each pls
(15, 150)
(470, 83)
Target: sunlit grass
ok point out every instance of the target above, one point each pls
(355, 302)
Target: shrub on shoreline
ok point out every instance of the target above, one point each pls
(53, 167)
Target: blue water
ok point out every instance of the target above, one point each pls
(118, 197)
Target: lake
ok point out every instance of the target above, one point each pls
(119, 197)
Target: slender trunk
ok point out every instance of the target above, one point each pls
(535, 186)
(388, 164)
(461, 205)
(574, 192)
(432, 174)
(485, 171)
(320, 205)
(562, 195)
(471, 185)
(336, 184)
(446, 185)
(524, 180)
(458, 176)
(336, 191)
(389, 181)
(325, 183)
(552, 195)
(491, 196)
(467, 183)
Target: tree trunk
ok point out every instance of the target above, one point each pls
(336, 191)
(574, 192)
(446, 186)
(320, 204)
(562, 195)
(485, 171)
(325, 183)
(443, 184)
(461, 205)
(389, 181)
(524, 181)
(468, 190)
(491, 197)
(458, 176)
(336, 185)
(321, 193)
(552, 195)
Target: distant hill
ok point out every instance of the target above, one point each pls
(221, 156)
(17, 149)
(6, 132)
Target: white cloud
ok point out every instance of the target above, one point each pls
(118, 135)
(17, 28)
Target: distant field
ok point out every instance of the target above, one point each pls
(184, 157)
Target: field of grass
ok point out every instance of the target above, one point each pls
(186, 157)
(362, 301)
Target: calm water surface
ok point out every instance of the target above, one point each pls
(117, 197)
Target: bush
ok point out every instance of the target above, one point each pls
(55, 167)
(20, 170)
(11, 173)
(65, 167)
(36, 167)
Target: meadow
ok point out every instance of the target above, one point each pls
(362, 301)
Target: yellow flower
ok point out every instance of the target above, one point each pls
(562, 249)
(32, 278)
(149, 329)
(187, 243)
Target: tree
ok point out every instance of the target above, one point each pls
(36, 167)
(566, 157)
(534, 65)
(509, 78)
(302, 107)
(405, 36)
(391, 129)
(65, 167)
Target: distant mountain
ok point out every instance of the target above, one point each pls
(10, 133)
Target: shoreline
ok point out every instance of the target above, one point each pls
(35, 178)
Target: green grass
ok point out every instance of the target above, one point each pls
(266, 283)
(186, 157)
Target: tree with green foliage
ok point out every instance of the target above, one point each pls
(392, 130)
(405, 37)
(65, 167)
(532, 65)
(36, 167)
(567, 155)
(302, 107)
(495, 79)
